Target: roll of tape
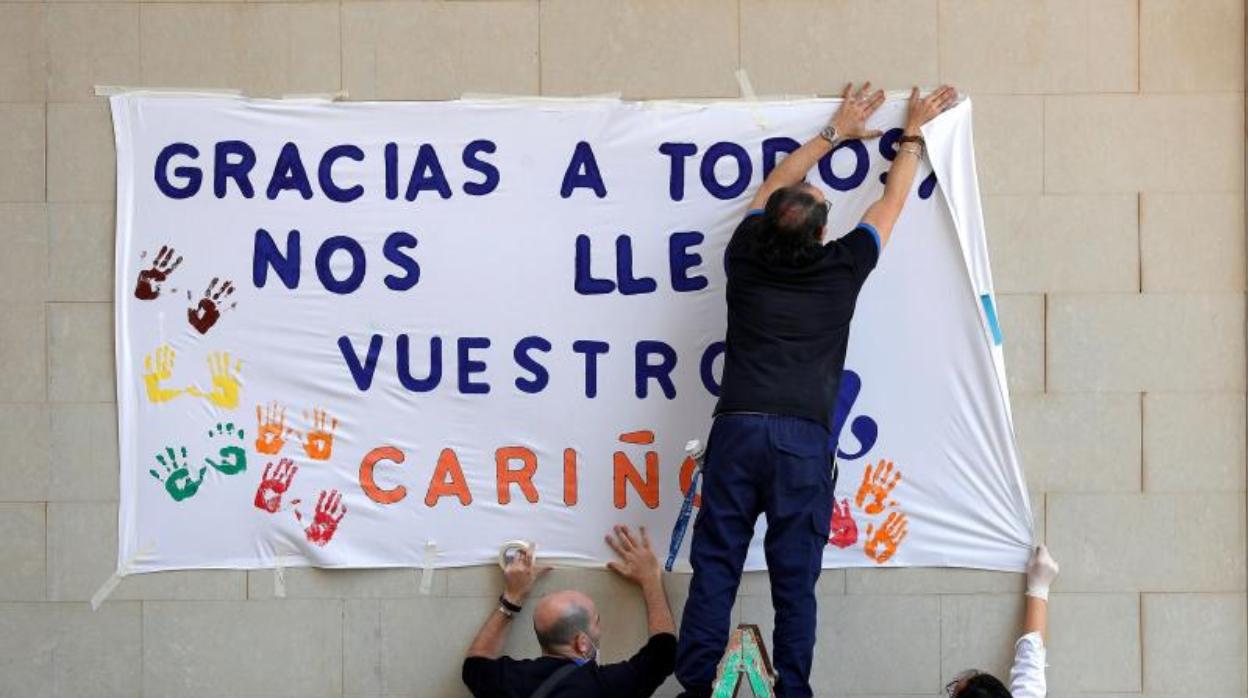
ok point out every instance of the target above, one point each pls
(510, 549)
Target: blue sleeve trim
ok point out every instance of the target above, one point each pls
(990, 311)
(752, 212)
(875, 234)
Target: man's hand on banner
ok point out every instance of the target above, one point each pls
(271, 428)
(318, 443)
(873, 493)
(844, 528)
(150, 279)
(158, 368)
(850, 120)
(882, 544)
(329, 511)
(176, 476)
(233, 455)
(204, 315)
(274, 483)
(637, 562)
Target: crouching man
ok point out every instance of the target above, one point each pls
(568, 630)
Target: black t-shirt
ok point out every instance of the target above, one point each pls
(518, 678)
(788, 324)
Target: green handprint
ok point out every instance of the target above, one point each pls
(177, 477)
(233, 455)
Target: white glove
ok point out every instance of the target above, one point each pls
(1042, 569)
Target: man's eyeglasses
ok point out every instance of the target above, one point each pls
(952, 688)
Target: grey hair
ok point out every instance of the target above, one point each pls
(564, 630)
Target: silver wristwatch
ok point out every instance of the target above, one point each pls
(830, 135)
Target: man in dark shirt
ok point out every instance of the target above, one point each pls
(790, 301)
(567, 627)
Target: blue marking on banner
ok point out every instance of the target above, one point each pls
(990, 310)
(682, 521)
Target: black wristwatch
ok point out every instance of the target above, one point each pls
(502, 601)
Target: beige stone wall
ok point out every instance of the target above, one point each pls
(1110, 143)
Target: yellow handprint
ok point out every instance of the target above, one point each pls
(158, 368)
(225, 381)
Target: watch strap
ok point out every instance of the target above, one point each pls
(504, 603)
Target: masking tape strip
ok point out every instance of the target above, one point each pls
(279, 577)
(426, 572)
(747, 93)
(106, 589)
(110, 90)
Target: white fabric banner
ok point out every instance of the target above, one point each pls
(400, 334)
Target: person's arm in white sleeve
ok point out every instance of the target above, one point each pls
(1027, 678)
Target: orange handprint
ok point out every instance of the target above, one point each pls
(318, 443)
(882, 544)
(272, 431)
(876, 487)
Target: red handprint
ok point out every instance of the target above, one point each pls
(844, 528)
(203, 316)
(273, 484)
(329, 511)
(148, 287)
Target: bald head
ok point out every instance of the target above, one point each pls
(561, 617)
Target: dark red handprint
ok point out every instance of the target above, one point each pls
(274, 484)
(329, 511)
(844, 528)
(203, 316)
(150, 279)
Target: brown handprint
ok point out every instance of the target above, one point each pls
(274, 483)
(882, 544)
(318, 443)
(875, 489)
(272, 428)
(844, 528)
(329, 511)
(203, 316)
(150, 279)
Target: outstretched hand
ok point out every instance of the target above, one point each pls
(924, 109)
(856, 107)
(637, 562)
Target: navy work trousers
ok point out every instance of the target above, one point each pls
(758, 463)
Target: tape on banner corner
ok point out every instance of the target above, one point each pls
(990, 312)
(747, 93)
(426, 570)
(106, 589)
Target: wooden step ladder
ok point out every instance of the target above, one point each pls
(745, 666)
